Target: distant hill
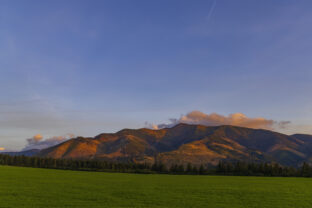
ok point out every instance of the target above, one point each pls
(31, 152)
(185, 143)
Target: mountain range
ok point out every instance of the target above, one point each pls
(186, 143)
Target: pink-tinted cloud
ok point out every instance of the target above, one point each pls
(214, 119)
(37, 141)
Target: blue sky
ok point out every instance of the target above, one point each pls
(87, 67)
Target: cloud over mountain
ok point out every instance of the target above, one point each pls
(37, 141)
(214, 119)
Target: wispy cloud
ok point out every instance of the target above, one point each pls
(211, 10)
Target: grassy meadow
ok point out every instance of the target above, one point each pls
(34, 187)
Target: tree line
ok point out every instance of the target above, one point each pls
(262, 169)
(223, 168)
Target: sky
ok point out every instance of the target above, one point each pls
(88, 67)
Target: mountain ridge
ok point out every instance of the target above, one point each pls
(185, 143)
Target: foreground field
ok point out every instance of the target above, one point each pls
(31, 187)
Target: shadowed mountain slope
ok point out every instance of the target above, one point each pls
(185, 143)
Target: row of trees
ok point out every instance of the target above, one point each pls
(262, 169)
(69, 164)
(223, 168)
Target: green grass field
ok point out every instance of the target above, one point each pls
(31, 187)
